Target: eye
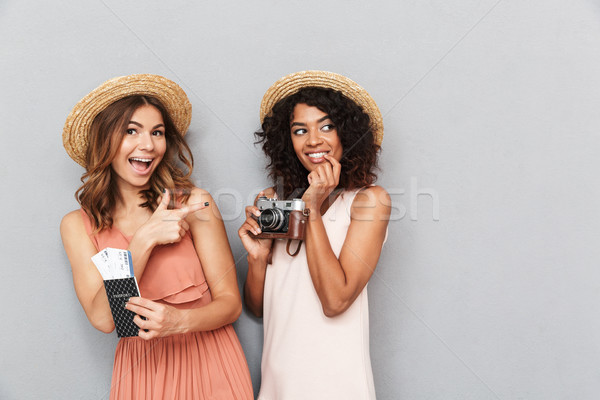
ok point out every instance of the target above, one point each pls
(299, 131)
(328, 127)
(158, 133)
(131, 131)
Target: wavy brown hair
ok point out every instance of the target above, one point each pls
(359, 157)
(99, 193)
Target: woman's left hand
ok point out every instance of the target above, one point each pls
(161, 319)
(322, 180)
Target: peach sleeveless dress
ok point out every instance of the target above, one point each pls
(307, 355)
(195, 365)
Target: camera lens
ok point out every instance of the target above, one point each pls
(271, 219)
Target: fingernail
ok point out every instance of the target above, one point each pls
(206, 204)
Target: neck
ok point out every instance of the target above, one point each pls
(129, 201)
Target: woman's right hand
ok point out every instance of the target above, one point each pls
(168, 226)
(256, 247)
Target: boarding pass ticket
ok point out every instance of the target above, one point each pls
(113, 263)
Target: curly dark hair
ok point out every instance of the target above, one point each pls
(359, 158)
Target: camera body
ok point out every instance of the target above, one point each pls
(281, 219)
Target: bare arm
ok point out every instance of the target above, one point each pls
(255, 284)
(339, 281)
(259, 252)
(88, 283)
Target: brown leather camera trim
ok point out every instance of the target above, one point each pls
(296, 228)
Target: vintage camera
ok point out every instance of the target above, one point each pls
(282, 219)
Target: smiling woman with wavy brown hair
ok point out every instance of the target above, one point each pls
(129, 135)
(98, 194)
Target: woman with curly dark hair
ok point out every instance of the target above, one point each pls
(322, 133)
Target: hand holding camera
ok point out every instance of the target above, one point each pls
(272, 219)
(257, 248)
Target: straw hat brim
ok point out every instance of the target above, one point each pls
(291, 84)
(79, 121)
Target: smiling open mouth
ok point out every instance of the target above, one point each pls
(140, 164)
(318, 155)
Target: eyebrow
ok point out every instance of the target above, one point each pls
(318, 121)
(141, 126)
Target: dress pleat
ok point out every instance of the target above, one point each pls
(196, 365)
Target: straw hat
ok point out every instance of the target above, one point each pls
(292, 83)
(79, 121)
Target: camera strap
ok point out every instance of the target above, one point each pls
(287, 247)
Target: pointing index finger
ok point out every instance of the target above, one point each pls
(164, 202)
(192, 208)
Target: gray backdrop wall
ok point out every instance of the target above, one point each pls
(488, 285)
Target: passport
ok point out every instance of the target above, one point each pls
(116, 269)
(119, 291)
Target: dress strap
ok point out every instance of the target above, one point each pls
(88, 228)
(86, 221)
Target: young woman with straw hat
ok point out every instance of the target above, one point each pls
(129, 136)
(321, 132)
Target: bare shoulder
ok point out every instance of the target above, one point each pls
(199, 195)
(72, 223)
(371, 191)
(74, 233)
(210, 213)
(373, 200)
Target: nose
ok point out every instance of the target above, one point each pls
(314, 137)
(146, 142)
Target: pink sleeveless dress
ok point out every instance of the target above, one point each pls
(307, 355)
(195, 365)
